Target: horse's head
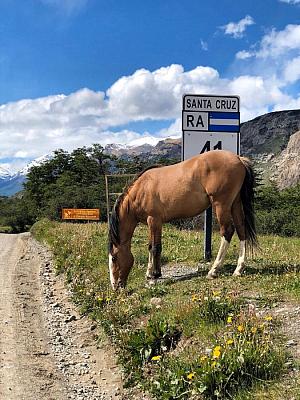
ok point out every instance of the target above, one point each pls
(120, 263)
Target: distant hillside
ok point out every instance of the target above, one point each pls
(12, 185)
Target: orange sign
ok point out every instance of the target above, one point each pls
(91, 214)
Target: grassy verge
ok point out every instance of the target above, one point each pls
(5, 229)
(187, 339)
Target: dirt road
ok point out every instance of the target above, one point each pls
(47, 350)
(26, 368)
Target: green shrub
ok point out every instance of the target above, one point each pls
(278, 212)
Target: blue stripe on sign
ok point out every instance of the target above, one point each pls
(224, 115)
(224, 128)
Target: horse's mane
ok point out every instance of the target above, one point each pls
(114, 220)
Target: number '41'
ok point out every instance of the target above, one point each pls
(207, 146)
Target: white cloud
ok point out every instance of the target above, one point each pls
(237, 29)
(172, 131)
(276, 43)
(292, 70)
(157, 94)
(290, 1)
(29, 128)
(204, 45)
(243, 55)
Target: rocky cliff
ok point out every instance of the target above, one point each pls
(269, 133)
(285, 168)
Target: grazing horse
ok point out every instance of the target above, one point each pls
(160, 194)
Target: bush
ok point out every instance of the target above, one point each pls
(278, 212)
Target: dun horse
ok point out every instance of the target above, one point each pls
(160, 194)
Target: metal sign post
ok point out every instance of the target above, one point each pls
(209, 122)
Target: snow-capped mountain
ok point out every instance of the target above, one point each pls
(5, 174)
(13, 183)
(38, 161)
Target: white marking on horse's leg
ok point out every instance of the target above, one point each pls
(112, 279)
(220, 258)
(150, 268)
(241, 260)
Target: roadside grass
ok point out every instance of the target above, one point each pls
(5, 229)
(190, 338)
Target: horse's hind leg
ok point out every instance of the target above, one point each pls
(239, 223)
(226, 230)
(155, 247)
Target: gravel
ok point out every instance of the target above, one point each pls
(68, 333)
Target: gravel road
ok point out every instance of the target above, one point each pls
(47, 350)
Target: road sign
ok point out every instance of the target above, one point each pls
(90, 214)
(195, 143)
(209, 123)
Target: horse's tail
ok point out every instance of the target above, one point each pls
(247, 197)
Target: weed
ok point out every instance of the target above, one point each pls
(218, 305)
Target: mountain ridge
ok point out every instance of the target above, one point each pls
(272, 140)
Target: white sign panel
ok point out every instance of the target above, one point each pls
(196, 143)
(195, 102)
(210, 123)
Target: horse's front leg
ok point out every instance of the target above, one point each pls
(155, 247)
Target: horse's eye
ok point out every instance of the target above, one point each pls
(114, 259)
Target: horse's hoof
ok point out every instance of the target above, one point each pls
(211, 276)
(237, 273)
(151, 282)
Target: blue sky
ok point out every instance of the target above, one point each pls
(76, 72)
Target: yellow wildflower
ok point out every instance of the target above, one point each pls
(194, 297)
(203, 358)
(214, 363)
(229, 319)
(254, 329)
(216, 293)
(217, 352)
(191, 375)
(240, 328)
(156, 358)
(229, 341)
(108, 299)
(268, 318)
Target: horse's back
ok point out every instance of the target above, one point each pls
(219, 170)
(184, 189)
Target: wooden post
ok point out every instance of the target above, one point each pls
(107, 197)
(207, 234)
